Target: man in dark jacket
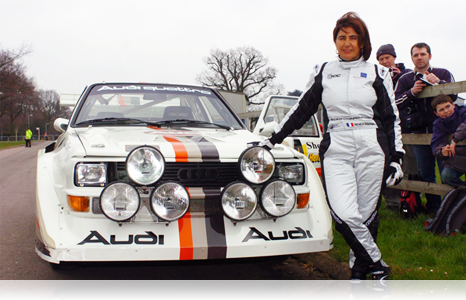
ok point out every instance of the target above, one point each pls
(421, 116)
(386, 56)
(451, 120)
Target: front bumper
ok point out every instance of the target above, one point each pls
(190, 238)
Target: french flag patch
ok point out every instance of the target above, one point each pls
(363, 75)
(349, 125)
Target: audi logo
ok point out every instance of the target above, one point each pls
(198, 174)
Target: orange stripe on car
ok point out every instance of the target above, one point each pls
(181, 155)
(154, 127)
(186, 237)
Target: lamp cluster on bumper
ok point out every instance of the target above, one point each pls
(145, 165)
(120, 200)
(240, 200)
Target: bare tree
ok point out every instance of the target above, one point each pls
(50, 108)
(13, 79)
(9, 57)
(17, 91)
(243, 69)
(18, 107)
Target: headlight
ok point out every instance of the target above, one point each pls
(257, 165)
(89, 174)
(239, 201)
(170, 201)
(145, 165)
(278, 198)
(119, 201)
(293, 174)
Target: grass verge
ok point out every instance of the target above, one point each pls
(412, 252)
(4, 145)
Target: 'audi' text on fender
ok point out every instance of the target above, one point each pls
(149, 238)
(299, 233)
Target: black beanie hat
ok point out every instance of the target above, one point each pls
(386, 49)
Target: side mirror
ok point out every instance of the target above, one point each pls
(60, 124)
(268, 128)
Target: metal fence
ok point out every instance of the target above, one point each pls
(22, 138)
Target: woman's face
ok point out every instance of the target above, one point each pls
(347, 44)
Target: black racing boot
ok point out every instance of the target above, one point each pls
(358, 275)
(379, 273)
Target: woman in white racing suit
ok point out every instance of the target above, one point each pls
(361, 151)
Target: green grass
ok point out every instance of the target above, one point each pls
(412, 252)
(4, 145)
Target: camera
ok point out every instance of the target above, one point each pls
(419, 76)
(422, 78)
(412, 109)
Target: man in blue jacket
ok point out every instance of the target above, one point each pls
(421, 116)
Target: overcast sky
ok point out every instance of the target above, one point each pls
(76, 43)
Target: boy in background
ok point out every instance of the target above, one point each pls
(452, 121)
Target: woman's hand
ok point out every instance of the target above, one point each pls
(395, 174)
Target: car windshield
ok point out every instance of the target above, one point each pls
(157, 105)
(279, 107)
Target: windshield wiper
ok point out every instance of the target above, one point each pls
(112, 120)
(186, 121)
(158, 124)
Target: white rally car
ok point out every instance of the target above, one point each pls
(305, 140)
(146, 172)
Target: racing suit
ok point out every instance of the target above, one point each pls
(362, 137)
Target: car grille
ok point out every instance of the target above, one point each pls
(210, 177)
(201, 174)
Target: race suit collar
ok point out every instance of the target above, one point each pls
(350, 64)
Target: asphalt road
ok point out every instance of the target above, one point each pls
(19, 261)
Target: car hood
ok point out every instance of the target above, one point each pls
(183, 145)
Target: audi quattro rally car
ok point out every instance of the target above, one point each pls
(305, 140)
(146, 172)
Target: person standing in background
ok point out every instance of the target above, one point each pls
(421, 115)
(28, 137)
(386, 56)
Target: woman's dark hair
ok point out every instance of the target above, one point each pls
(352, 20)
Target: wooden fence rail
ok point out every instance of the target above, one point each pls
(420, 186)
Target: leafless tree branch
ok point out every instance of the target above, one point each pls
(243, 69)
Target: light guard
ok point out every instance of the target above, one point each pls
(257, 165)
(170, 201)
(145, 165)
(239, 201)
(278, 198)
(119, 201)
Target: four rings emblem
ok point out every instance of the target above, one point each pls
(197, 174)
